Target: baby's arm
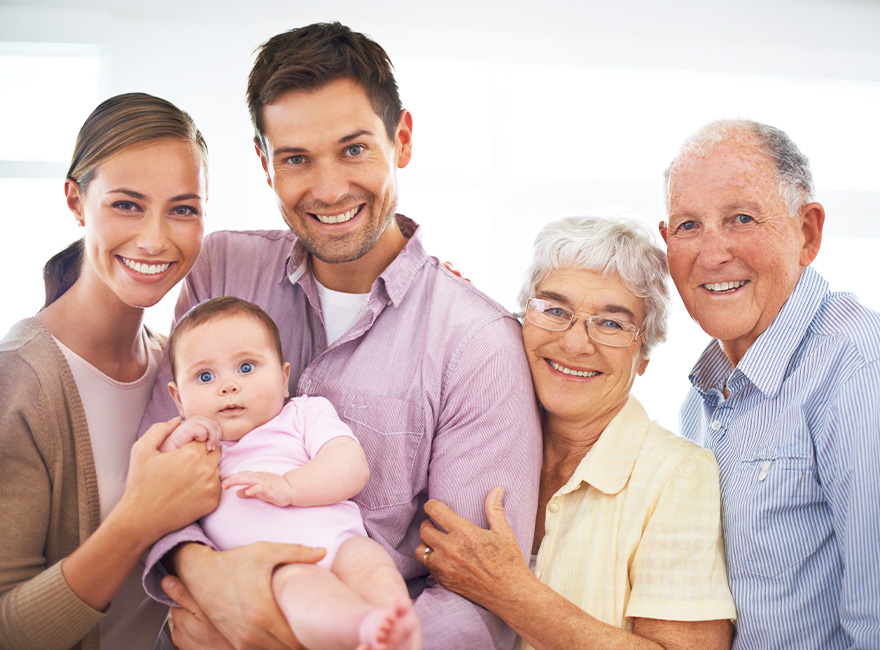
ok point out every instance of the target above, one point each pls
(198, 427)
(337, 472)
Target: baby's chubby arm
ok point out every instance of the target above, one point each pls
(337, 472)
(198, 427)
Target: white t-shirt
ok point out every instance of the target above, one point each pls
(341, 310)
(113, 412)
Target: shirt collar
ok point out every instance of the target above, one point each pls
(609, 463)
(393, 282)
(766, 361)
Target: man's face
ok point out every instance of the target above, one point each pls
(332, 167)
(735, 254)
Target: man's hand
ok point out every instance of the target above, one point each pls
(265, 486)
(230, 593)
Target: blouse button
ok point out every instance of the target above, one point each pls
(554, 507)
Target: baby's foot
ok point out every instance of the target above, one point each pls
(389, 628)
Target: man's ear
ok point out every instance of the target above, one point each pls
(403, 139)
(285, 370)
(813, 215)
(74, 200)
(663, 231)
(175, 395)
(264, 159)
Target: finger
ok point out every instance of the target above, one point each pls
(156, 434)
(495, 511)
(445, 516)
(431, 536)
(177, 591)
(277, 553)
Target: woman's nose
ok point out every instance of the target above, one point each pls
(152, 238)
(575, 339)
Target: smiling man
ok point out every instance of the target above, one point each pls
(787, 394)
(428, 372)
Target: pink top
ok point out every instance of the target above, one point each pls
(287, 441)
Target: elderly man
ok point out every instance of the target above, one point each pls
(787, 394)
(428, 372)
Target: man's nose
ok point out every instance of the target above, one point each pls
(716, 246)
(330, 184)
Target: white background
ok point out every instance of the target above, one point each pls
(524, 112)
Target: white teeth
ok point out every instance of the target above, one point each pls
(724, 286)
(338, 218)
(576, 373)
(146, 269)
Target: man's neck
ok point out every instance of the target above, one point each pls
(358, 275)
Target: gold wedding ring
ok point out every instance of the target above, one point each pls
(426, 555)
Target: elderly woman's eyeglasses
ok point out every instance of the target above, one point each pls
(613, 332)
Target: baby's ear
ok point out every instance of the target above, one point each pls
(285, 370)
(175, 395)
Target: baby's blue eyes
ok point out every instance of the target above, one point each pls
(246, 367)
(205, 376)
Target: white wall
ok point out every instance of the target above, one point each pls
(524, 112)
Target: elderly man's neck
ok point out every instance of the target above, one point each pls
(358, 275)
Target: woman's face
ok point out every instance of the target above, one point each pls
(143, 214)
(578, 380)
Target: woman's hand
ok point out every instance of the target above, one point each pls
(482, 565)
(234, 588)
(167, 491)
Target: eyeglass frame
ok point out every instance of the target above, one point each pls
(636, 331)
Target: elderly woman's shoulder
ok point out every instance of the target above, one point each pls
(676, 453)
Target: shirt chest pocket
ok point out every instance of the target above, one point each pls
(391, 431)
(776, 513)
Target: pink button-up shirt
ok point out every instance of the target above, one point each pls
(433, 382)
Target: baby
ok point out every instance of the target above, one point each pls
(227, 366)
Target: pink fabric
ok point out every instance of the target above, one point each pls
(433, 381)
(289, 440)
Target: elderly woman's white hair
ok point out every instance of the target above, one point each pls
(614, 245)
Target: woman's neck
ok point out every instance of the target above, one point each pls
(96, 325)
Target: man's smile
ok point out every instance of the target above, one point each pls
(724, 287)
(342, 217)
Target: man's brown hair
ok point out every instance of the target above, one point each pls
(310, 57)
(217, 308)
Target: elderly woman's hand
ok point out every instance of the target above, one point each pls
(484, 566)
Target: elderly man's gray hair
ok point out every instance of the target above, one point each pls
(792, 167)
(614, 245)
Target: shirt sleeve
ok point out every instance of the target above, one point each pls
(488, 435)
(848, 454)
(30, 589)
(678, 572)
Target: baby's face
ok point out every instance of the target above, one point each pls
(228, 370)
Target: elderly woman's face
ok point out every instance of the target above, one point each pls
(577, 379)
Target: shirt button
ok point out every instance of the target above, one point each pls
(716, 425)
(765, 467)
(554, 507)
(538, 574)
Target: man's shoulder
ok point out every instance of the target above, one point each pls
(849, 326)
(225, 241)
(445, 289)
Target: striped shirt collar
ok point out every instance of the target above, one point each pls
(766, 361)
(609, 463)
(392, 284)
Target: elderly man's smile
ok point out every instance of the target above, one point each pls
(724, 287)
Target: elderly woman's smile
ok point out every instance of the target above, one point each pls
(576, 377)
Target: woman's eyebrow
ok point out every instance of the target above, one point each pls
(555, 297)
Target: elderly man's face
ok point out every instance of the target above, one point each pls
(735, 254)
(332, 167)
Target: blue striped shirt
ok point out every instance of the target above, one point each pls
(798, 444)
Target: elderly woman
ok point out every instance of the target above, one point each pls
(627, 548)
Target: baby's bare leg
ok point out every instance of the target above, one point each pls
(367, 569)
(324, 613)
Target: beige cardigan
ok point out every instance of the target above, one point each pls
(48, 495)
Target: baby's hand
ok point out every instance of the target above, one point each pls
(271, 488)
(198, 427)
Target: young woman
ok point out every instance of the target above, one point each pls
(80, 500)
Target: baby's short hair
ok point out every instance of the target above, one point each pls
(215, 308)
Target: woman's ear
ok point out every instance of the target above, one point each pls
(74, 200)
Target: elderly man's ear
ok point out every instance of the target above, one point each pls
(813, 215)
